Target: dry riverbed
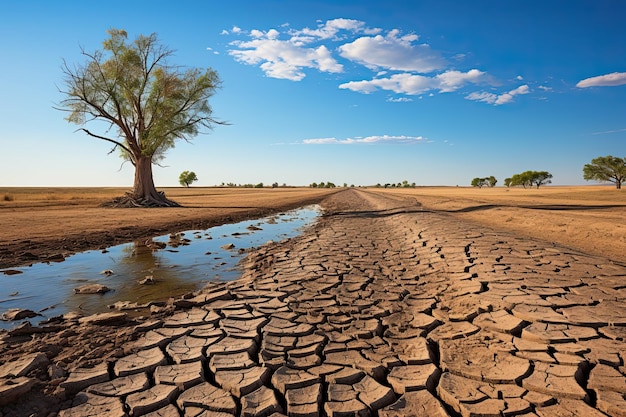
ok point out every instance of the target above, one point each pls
(395, 304)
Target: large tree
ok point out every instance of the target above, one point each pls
(147, 102)
(606, 168)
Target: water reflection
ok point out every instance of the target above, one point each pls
(176, 264)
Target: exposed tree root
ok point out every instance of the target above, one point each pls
(129, 200)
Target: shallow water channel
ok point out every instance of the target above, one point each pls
(183, 262)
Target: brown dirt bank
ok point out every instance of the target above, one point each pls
(587, 218)
(39, 223)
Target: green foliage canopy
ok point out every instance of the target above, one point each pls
(491, 181)
(530, 178)
(186, 178)
(606, 168)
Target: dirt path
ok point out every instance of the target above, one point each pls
(381, 309)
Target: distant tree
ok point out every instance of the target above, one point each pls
(275, 185)
(479, 182)
(530, 178)
(541, 178)
(521, 179)
(259, 185)
(149, 103)
(330, 185)
(186, 178)
(313, 185)
(492, 181)
(606, 168)
(507, 182)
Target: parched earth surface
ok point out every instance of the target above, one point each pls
(381, 309)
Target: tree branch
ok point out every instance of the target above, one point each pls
(121, 145)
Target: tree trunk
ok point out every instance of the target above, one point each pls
(144, 192)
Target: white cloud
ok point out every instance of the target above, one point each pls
(401, 63)
(404, 83)
(331, 28)
(608, 80)
(412, 84)
(482, 96)
(508, 97)
(281, 58)
(286, 58)
(496, 99)
(399, 100)
(367, 140)
(453, 80)
(392, 52)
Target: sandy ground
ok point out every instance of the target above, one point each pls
(43, 222)
(588, 218)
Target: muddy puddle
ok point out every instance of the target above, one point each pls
(144, 271)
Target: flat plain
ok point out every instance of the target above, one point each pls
(38, 222)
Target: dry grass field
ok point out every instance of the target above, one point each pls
(38, 222)
(587, 218)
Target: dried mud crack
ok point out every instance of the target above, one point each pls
(380, 310)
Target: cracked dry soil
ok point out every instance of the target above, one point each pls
(381, 309)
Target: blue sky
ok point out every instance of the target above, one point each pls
(357, 92)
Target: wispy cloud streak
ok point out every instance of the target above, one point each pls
(608, 80)
(369, 140)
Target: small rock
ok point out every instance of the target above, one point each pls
(56, 372)
(105, 319)
(12, 272)
(12, 389)
(21, 367)
(107, 272)
(228, 246)
(148, 280)
(92, 289)
(59, 257)
(17, 314)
